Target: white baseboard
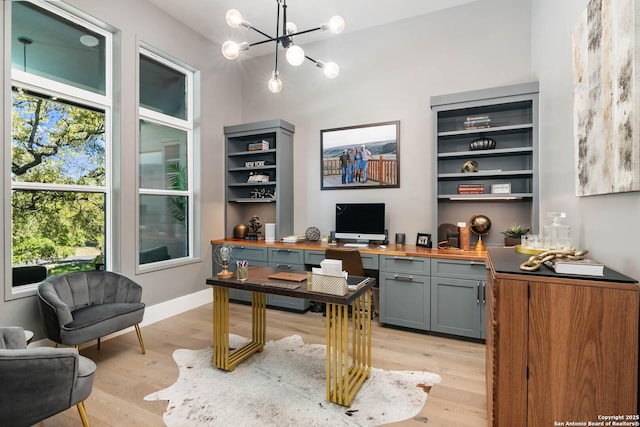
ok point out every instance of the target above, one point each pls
(154, 313)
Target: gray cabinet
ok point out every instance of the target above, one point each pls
(405, 291)
(472, 175)
(255, 256)
(287, 260)
(259, 175)
(458, 297)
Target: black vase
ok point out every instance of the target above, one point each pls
(482, 143)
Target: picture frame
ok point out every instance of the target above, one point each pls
(423, 240)
(341, 163)
(501, 188)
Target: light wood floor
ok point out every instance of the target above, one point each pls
(124, 375)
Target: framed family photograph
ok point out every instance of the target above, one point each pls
(423, 240)
(364, 156)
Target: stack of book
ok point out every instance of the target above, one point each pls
(257, 146)
(470, 188)
(477, 122)
(294, 238)
(584, 267)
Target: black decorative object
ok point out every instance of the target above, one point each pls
(482, 143)
(312, 234)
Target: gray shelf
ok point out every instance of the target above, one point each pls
(513, 115)
(240, 207)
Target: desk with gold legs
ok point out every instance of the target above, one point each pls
(348, 363)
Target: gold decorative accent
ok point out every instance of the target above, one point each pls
(140, 338)
(534, 262)
(529, 251)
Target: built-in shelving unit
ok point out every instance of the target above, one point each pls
(271, 196)
(505, 176)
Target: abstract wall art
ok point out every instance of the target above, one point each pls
(606, 104)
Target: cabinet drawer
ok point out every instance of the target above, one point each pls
(286, 266)
(250, 253)
(369, 261)
(313, 257)
(458, 269)
(405, 265)
(287, 256)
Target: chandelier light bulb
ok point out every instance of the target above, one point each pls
(275, 84)
(291, 28)
(335, 25)
(231, 50)
(330, 69)
(234, 18)
(295, 55)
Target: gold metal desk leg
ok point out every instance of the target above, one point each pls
(346, 371)
(222, 357)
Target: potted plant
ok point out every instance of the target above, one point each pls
(513, 234)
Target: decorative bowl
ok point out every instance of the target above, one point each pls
(482, 143)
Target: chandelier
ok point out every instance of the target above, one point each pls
(295, 54)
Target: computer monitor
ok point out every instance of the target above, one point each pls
(360, 221)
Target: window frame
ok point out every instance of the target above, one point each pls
(47, 87)
(187, 125)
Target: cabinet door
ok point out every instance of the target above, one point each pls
(287, 303)
(404, 300)
(583, 352)
(456, 306)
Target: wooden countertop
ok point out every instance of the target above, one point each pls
(391, 249)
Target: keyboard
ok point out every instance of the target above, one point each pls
(356, 245)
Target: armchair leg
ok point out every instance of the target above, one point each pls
(83, 414)
(140, 338)
(98, 343)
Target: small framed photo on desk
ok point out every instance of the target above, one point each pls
(423, 240)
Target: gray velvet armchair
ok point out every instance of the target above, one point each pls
(40, 382)
(86, 305)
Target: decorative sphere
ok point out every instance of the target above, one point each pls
(470, 166)
(240, 231)
(312, 234)
(480, 224)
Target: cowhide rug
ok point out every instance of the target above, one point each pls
(284, 386)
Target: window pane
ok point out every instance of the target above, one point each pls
(55, 142)
(63, 231)
(163, 157)
(52, 47)
(163, 233)
(162, 89)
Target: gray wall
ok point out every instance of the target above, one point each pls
(606, 225)
(390, 73)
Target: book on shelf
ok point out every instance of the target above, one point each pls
(294, 238)
(259, 145)
(477, 122)
(585, 267)
(470, 188)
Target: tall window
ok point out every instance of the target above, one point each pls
(165, 160)
(60, 143)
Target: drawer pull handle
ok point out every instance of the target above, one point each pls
(283, 250)
(283, 266)
(399, 258)
(405, 278)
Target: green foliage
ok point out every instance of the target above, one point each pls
(55, 143)
(177, 175)
(515, 231)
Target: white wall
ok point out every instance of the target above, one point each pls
(389, 73)
(605, 225)
(143, 22)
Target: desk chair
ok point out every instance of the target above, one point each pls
(351, 263)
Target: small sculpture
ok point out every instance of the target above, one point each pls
(254, 225)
